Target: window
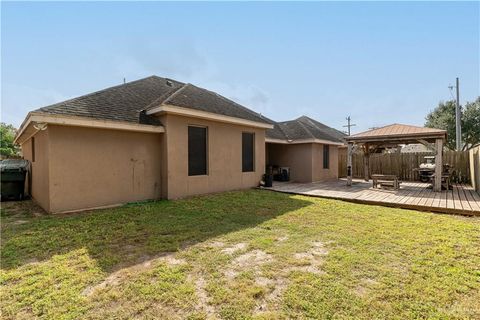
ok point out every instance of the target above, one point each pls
(248, 146)
(33, 149)
(197, 151)
(326, 156)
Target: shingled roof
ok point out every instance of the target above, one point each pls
(130, 101)
(304, 128)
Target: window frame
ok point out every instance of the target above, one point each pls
(32, 145)
(253, 152)
(206, 151)
(326, 156)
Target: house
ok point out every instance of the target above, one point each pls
(307, 147)
(158, 138)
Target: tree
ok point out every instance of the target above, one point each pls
(7, 135)
(471, 124)
(443, 117)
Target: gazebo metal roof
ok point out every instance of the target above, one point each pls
(398, 133)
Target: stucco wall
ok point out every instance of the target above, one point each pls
(319, 173)
(98, 167)
(224, 158)
(305, 160)
(296, 156)
(39, 168)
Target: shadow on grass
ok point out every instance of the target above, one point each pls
(122, 236)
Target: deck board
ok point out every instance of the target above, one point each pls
(411, 195)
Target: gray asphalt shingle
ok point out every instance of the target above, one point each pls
(304, 128)
(128, 102)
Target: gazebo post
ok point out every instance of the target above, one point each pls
(349, 163)
(438, 165)
(366, 161)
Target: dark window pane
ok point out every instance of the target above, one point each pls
(33, 149)
(197, 151)
(326, 156)
(248, 144)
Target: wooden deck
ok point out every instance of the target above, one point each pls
(411, 195)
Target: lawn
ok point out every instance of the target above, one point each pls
(239, 255)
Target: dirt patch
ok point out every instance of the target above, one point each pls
(310, 268)
(119, 276)
(27, 208)
(235, 248)
(247, 261)
(19, 222)
(216, 244)
(271, 300)
(282, 239)
(364, 287)
(312, 259)
(203, 304)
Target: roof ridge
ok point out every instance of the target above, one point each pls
(176, 92)
(97, 92)
(363, 132)
(237, 104)
(325, 127)
(326, 130)
(164, 97)
(306, 129)
(281, 130)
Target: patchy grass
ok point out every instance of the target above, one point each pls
(252, 254)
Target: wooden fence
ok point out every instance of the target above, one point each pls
(403, 164)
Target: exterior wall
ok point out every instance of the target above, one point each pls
(298, 157)
(224, 169)
(40, 178)
(319, 173)
(99, 167)
(305, 161)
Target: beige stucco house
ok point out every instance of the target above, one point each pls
(157, 138)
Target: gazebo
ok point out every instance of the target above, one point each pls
(392, 136)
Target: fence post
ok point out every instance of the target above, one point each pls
(349, 163)
(438, 165)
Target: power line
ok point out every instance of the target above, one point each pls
(349, 125)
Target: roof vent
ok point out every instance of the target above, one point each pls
(169, 83)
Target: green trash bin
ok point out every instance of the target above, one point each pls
(12, 176)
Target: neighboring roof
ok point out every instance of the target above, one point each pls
(397, 131)
(414, 148)
(304, 128)
(130, 102)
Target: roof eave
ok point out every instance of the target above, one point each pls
(439, 135)
(76, 121)
(299, 141)
(171, 109)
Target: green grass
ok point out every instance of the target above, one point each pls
(295, 257)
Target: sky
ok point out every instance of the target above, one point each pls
(379, 62)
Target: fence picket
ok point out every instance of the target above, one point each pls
(403, 164)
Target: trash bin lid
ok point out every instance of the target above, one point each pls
(14, 164)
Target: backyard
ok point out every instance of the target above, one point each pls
(248, 254)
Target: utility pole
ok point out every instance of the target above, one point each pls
(458, 116)
(349, 125)
(458, 119)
